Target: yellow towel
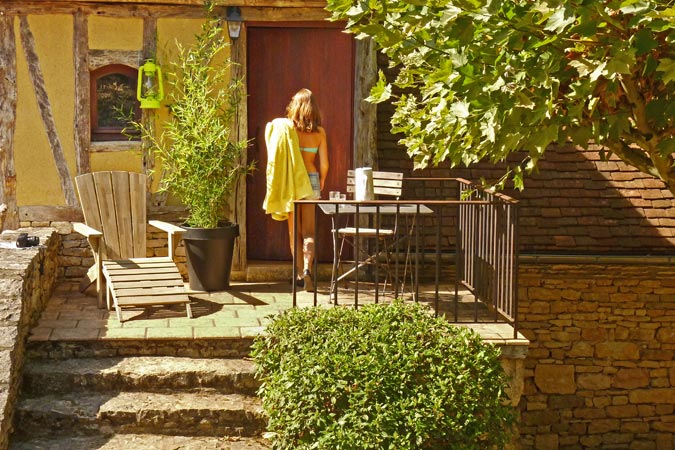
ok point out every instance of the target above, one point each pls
(287, 178)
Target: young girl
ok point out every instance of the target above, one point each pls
(304, 112)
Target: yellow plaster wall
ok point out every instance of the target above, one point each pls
(128, 160)
(107, 33)
(37, 177)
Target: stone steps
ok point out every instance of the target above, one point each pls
(139, 402)
(141, 442)
(140, 373)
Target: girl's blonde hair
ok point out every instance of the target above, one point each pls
(304, 111)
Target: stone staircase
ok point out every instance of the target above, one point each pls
(139, 402)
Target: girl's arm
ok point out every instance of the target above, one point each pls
(323, 157)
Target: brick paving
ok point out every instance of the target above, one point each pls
(242, 311)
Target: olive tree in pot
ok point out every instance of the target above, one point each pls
(201, 159)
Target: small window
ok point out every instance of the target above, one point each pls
(113, 90)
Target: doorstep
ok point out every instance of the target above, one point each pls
(258, 271)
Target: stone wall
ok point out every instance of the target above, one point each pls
(27, 277)
(600, 372)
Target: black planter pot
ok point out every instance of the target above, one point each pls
(209, 256)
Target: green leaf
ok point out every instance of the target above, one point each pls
(460, 109)
(667, 147)
(644, 41)
(381, 91)
(667, 66)
(560, 19)
(635, 6)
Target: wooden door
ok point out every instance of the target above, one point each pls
(282, 59)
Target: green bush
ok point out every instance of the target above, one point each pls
(382, 377)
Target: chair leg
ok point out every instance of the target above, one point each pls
(119, 312)
(108, 295)
(188, 310)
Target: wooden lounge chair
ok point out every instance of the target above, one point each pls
(114, 209)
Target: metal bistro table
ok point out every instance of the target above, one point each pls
(376, 208)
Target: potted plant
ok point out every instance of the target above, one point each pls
(200, 157)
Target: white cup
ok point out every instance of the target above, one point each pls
(334, 195)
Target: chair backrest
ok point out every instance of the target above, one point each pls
(114, 204)
(384, 183)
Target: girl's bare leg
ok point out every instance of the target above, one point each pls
(307, 228)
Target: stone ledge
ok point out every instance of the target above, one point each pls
(27, 278)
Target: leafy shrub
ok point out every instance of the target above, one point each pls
(382, 377)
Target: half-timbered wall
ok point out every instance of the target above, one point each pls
(52, 45)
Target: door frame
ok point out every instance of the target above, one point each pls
(364, 114)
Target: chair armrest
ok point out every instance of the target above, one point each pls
(86, 230)
(167, 227)
(174, 232)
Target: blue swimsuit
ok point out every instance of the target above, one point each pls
(313, 176)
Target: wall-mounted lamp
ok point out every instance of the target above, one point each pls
(150, 89)
(234, 20)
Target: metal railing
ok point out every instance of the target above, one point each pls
(487, 249)
(477, 229)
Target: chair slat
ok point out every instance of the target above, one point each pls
(87, 193)
(106, 205)
(151, 300)
(122, 202)
(137, 189)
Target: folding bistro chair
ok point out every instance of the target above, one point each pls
(385, 184)
(114, 209)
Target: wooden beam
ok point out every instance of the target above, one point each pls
(365, 114)
(200, 3)
(238, 57)
(82, 126)
(50, 214)
(46, 111)
(274, 12)
(149, 115)
(42, 213)
(8, 94)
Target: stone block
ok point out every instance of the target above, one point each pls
(635, 426)
(617, 350)
(666, 335)
(581, 349)
(565, 402)
(603, 426)
(665, 441)
(546, 442)
(589, 413)
(540, 418)
(652, 396)
(591, 441)
(63, 228)
(622, 411)
(593, 382)
(555, 378)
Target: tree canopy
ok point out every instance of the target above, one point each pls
(481, 79)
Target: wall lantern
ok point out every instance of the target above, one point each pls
(234, 20)
(150, 90)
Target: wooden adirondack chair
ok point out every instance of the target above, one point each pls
(114, 209)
